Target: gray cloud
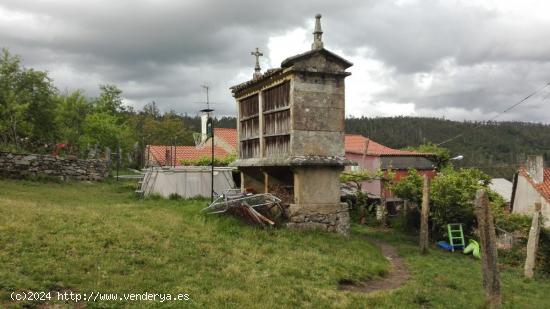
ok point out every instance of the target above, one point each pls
(476, 57)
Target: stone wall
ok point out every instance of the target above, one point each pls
(15, 165)
(332, 218)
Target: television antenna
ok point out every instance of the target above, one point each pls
(207, 102)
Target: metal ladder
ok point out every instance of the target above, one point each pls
(144, 183)
(456, 235)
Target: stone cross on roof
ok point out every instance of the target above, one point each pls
(317, 34)
(257, 69)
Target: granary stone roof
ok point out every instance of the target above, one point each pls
(265, 76)
(311, 160)
(291, 60)
(287, 63)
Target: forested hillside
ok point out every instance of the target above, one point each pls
(498, 148)
(495, 147)
(36, 117)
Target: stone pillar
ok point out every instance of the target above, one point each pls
(532, 243)
(317, 200)
(424, 239)
(489, 256)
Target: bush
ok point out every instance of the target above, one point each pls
(452, 194)
(207, 160)
(409, 187)
(452, 197)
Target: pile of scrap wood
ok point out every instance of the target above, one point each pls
(262, 210)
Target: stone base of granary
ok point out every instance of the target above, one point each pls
(325, 217)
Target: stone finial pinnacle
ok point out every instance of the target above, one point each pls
(257, 69)
(317, 34)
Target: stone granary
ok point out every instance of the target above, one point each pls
(291, 135)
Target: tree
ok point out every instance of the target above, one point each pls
(102, 129)
(39, 93)
(357, 178)
(13, 107)
(441, 155)
(151, 110)
(452, 196)
(27, 103)
(71, 113)
(408, 187)
(110, 100)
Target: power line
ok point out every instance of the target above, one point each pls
(501, 113)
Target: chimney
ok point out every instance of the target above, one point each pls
(535, 168)
(204, 122)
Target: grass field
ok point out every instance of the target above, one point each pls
(85, 237)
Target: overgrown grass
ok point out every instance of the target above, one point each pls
(97, 237)
(443, 279)
(85, 237)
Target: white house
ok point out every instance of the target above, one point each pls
(532, 185)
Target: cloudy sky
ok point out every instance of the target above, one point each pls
(453, 59)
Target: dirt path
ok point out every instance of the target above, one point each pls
(397, 277)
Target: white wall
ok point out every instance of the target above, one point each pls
(526, 197)
(188, 181)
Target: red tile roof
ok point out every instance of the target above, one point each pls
(355, 143)
(228, 135)
(158, 153)
(544, 186)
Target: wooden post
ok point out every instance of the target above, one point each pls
(425, 212)
(532, 243)
(381, 213)
(491, 280)
(266, 182)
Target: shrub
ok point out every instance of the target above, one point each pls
(452, 197)
(409, 187)
(207, 160)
